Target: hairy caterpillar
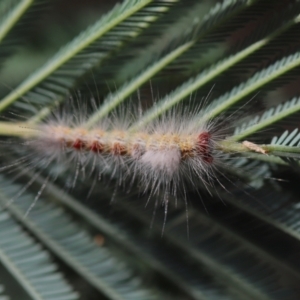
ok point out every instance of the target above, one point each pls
(177, 151)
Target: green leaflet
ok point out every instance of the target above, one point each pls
(11, 17)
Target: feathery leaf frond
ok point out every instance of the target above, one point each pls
(212, 21)
(28, 262)
(256, 82)
(86, 51)
(269, 117)
(75, 246)
(13, 16)
(237, 49)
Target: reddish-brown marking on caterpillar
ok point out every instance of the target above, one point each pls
(118, 149)
(204, 147)
(97, 147)
(78, 144)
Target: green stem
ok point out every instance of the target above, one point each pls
(22, 130)
(271, 151)
(13, 17)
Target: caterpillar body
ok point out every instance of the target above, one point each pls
(163, 155)
(175, 152)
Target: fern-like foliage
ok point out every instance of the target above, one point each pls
(241, 58)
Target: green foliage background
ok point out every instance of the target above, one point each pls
(243, 236)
